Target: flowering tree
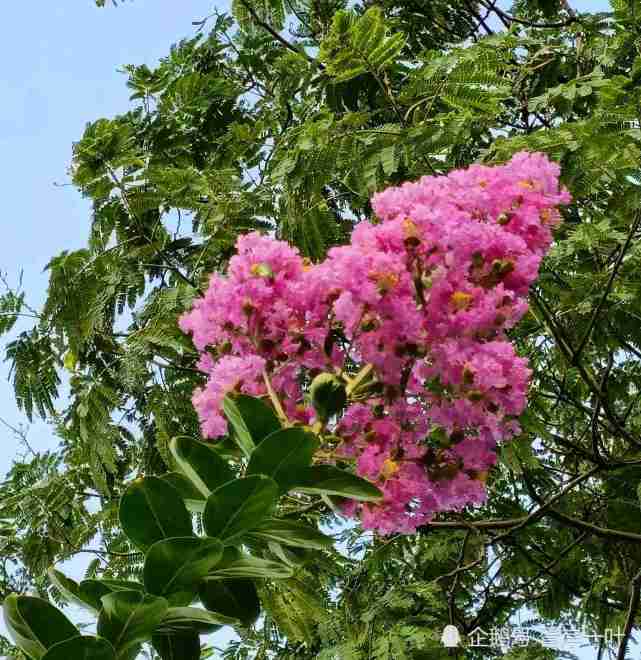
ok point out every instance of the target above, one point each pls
(403, 315)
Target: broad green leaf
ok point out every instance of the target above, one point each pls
(289, 556)
(91, 591)
(174, 567)
(129, 618)
(193, 498)
(234, 598)
(247, 566)
(82, 648)
(200, 464)
(251, 420)
(150, 510)
(35, 625)
(70, 589)
(184, 645)
(181, 619)
(291, 532)
(282, 455)
(240, 430)
(238, 506)
(330, 480)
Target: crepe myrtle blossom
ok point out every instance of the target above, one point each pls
(411, 316)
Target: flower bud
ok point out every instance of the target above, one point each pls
(328, 395)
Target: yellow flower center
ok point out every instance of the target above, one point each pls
(389, 469)
(528, 184)
(385, 282)
(461, 300)
(261, 270)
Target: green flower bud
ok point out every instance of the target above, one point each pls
(328, 395)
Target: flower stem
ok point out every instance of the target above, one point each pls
(358, 379)
(275, 400)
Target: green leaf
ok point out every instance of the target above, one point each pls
(251, 420)
(129, 618)
(288, 555)
(82, 648)
(193, 498)
(247, 566)
(282, 455)
(177, 646)
(91, 591)
(152, 510)
(70, 589)
(238, 506)
(240, 430)
(234, 598)
(174, 567)
(35, 625)
(200, 464)
(181, 619)
(291, 532)
(330, 480)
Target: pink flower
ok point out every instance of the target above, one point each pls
(423, 299)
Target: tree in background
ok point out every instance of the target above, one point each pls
(287, 117)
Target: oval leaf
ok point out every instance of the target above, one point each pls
(129, 618)
(252, 567)
(239, 506)
(174, 567)
(177, 646)
(70, 589)
(81, 648)
(35, 625)
(234, 598)
(91, 591)
(200, 464)
(251, 420)
(181, 619)
(330, 480)
(151, 510)
(291, 532)
(193, 498)
(282, 455)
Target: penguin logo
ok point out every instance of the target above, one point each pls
(451, 637)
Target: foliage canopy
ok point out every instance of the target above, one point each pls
(287, 116)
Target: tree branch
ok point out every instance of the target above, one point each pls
(274, 33)
(608, 286)
(635, 595)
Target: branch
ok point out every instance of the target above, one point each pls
(608, 286)
(102, 553)
(632, 611)
(569, 353)
(479, 18)
(274, 33)
(521, 21)
(544, 506)
(604, 532)
(170, 265)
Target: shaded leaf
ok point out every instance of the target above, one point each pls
(282, 455)
(174, 567)
(150, 510)
(238, 506)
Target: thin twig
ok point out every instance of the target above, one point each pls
(274, 33)
(635, 595)
(608, 286)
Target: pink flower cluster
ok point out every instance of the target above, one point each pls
(412, 314)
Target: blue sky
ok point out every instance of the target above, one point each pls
(60, 71)
(60, 62)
